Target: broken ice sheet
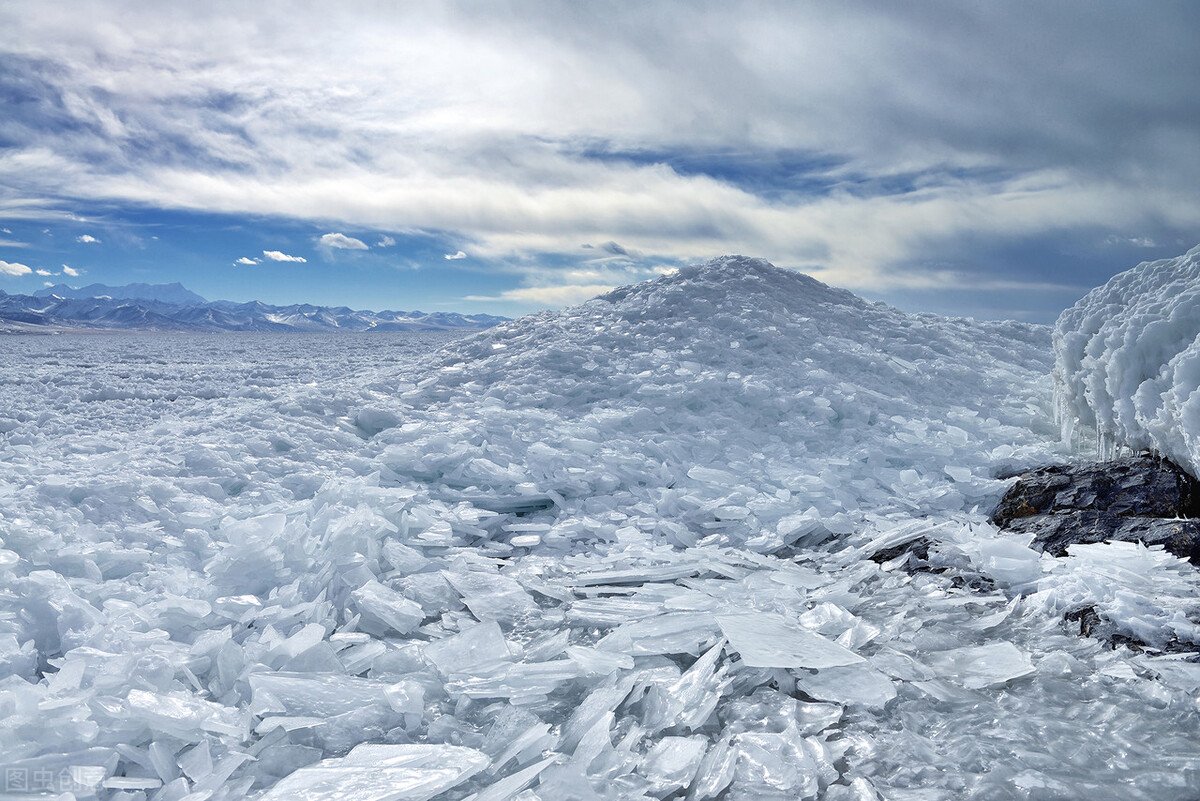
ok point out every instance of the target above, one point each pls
(768, 640)
(522, 680)
(672, 633)
(490, 596)
(315, 695)
(982, 666)
(672, 763)
(382, 773)
(471, 649)
(384, 609)
(852, 685)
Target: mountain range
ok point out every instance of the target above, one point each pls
(172, 307)
(166, 293)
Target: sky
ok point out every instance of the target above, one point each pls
(994, 160)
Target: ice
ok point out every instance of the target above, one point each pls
(386, 609)
(771, 641)
(671, 633)
(1127, 361)
(614, 558)
(509, 786)
(672, 763)
(309, 694)
(855, 685)
(492, 597)
(991, 665)
(480, 645)
(382, 773)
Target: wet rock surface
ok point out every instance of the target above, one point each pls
(1137, 499)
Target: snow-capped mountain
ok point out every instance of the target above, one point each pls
(171, 307)
(165, 293)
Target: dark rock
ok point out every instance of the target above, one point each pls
(923, 557)
(917, 549)
(1052, 533)
(1093, 624)
(1089, 621)
(1139, 499)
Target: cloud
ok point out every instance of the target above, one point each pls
(275, 255)
(12, 243)
(385, 242)
(71, 271)
(613, 249)
(248, 260)
(342, 242)
(1136, 241)
(454, 256)
(13, 268)
(43, 272)
(87, 239)
(858, 136)
(546, 295)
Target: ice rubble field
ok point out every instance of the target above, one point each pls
(615, 552)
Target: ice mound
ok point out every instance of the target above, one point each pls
(615, 552)
(719, 393)
(1127, 361)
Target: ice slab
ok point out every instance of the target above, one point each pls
(382, 773)
(315, 695)
(982, 666)
(672, 763)
(388, 608)
(769, 640)
(852, 685)
(473, 648)
(492, 597)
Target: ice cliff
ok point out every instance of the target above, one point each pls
(1127, 361)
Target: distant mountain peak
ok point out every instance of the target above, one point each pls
(176, 309)
(174, 293)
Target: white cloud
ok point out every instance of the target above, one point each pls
(453, 256)
(47, 283)
(5, 231)
(385, 242)
(393, 128)
(13, 268)
(247, 260)
(71, 271)
(275, 255)
(342, 242)
(546, 295)
(87, 239)
(43, 272)
(1136, 241)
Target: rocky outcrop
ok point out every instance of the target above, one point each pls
(1138, 499)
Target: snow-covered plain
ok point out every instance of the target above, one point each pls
(615, 552)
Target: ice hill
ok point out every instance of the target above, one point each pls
(1128, 361)
(171, 307)
(620, 551)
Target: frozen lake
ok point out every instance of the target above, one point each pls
(616, 552)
